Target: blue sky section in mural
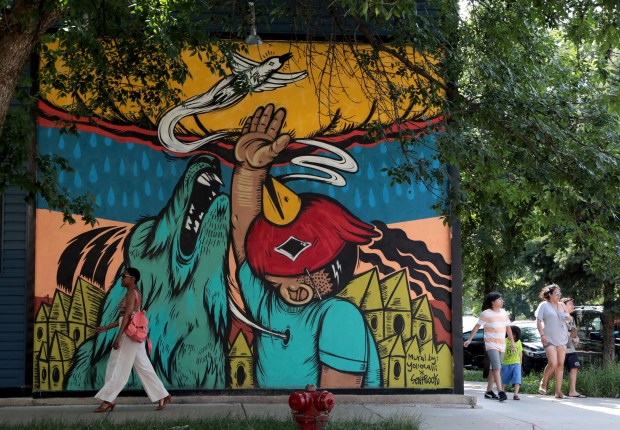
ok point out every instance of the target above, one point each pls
(131, 181)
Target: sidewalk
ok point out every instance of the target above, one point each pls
(468, 412)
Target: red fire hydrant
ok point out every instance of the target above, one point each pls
(310, 408)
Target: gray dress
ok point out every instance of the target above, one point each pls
(554, 323)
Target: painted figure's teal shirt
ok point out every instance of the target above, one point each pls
(330, 332)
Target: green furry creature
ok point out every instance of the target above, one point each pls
(181, 254)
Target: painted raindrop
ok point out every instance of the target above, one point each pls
(357, 199)
(77, 151)
(411, 192)
(92, 175)
(398, 190)
(77, 180)
(370, 172)
(384, 169)
(386, 194)
(145, 162)
(111, 197)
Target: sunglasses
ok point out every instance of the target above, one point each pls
(126, 276)
(557, 293)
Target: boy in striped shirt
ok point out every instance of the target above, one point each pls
(496, 327)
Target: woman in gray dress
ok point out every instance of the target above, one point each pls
(552, 321)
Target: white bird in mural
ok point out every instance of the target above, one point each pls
(247, 77)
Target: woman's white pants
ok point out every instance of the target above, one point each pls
(130, 354)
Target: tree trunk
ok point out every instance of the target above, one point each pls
(20, 29)
(609, 344)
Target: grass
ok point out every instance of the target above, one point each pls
(216, 423)
(593, 381)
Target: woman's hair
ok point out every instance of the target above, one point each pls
(490, 298)
(547, 290)
(516, 332)
(133, 272)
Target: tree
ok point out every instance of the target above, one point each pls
(543, 143)
(117, 52)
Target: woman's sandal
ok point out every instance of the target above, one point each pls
(163, 403)
(541, 390)
(105, 407)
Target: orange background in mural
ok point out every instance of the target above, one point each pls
(432, 231)
(50, 246)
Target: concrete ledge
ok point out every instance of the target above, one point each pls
(443, 400)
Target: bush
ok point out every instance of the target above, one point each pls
(592, 380)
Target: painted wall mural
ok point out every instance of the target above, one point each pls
(274, 253)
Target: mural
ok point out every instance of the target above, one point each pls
(274, 253)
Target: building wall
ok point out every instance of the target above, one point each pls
(369, 264)
(13, 290)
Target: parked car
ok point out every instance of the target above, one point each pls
(534, 358)
(473, 355)
(589, 329)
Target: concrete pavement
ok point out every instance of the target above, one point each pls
(468, 412)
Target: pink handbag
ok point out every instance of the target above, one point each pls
(138, 329)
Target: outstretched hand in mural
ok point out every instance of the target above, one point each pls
(259, 145)
(293, 254)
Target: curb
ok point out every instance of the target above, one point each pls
(442, 400)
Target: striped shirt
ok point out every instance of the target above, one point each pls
(494, 324)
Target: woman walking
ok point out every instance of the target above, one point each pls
(552, 321)
(127, 353)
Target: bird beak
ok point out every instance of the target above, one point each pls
(284, 58)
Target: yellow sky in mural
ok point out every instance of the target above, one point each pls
(334, 83)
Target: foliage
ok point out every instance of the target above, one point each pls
(100, 55)
(17, 153)
(592, 380)
(532, 127)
